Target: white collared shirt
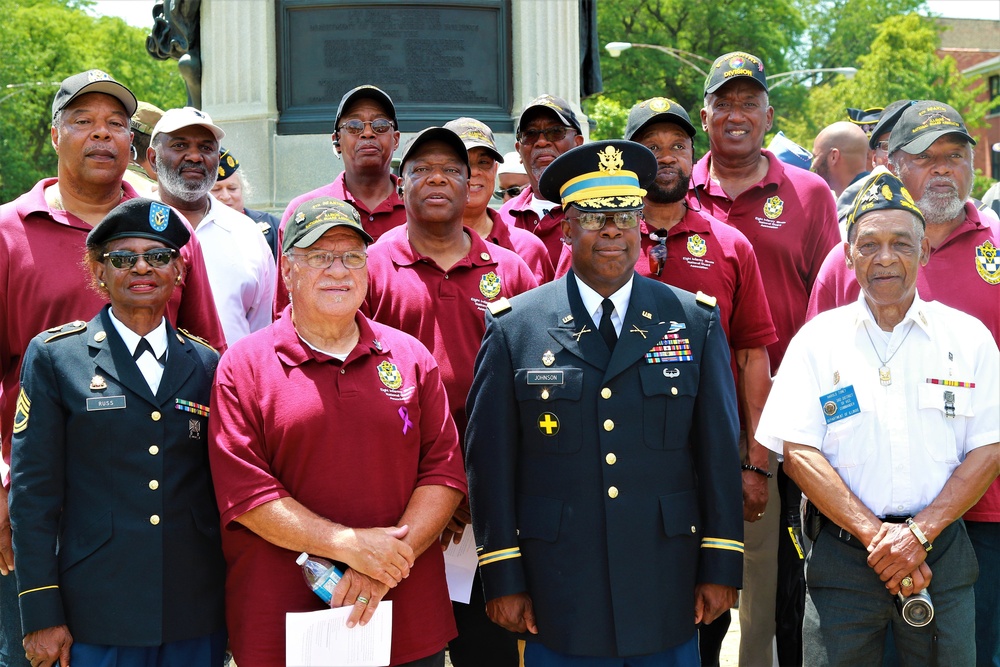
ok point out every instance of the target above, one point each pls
(148, 365)
(592, 302)
(898, 451)
(241, 270)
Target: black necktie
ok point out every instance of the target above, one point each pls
(144, 346)
(606, 328)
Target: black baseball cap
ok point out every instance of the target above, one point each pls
(656, 110)
(92, 81)
(887, 120)
(366, 92)
(557, 105)
(923, 123)
(735, 65)
(442, 134)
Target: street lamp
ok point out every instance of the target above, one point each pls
(615, 49)
(18, 87)
(775, 80)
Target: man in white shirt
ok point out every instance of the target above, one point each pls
(887, 412)
(184, 154)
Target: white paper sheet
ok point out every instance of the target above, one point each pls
(460, 561)
(322, 639)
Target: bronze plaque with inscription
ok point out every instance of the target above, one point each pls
(437, 60)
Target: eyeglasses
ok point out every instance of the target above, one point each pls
(512, 191)
(156, 258)
(882, 146)
(355, 126)
(323, 259)
(593, 222)
(552, 135)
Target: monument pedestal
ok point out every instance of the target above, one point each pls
(240, 46)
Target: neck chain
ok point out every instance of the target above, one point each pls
(884, 374)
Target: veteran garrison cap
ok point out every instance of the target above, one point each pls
(600, 176)
(315, 217)
(366, 92)
(557, 105)
(923, 123)
(656, 110)
(880, 191)
(887, 120)
(92, 81)
(441, 134)
(735, 65)
(142, 218)
(864, 118)
(228, 164)
(146, 117)
(475, 134)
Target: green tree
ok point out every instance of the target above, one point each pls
(901, 64)
(770, 30)
(841, 31)
(44, 42)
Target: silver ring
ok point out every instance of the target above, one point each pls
(362, 599)
(907, 582)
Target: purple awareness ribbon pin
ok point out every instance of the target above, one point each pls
(407, 424)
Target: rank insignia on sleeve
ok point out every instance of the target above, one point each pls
(21, 415)
(489, 285)
(389, 375)
(548, 423)
(987, 263)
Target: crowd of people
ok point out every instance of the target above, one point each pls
(651, 387)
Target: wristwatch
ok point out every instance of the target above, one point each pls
(919, 534)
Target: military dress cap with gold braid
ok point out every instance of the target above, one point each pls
(864, 118)
(475, 134)
(314, 217)
(600, 176)
(881, 191)
(142, 218)
(228, 164)
(656, 110)
(734, 66)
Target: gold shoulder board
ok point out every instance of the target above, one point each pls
(73, 327)
(705, 299)
(499, 307)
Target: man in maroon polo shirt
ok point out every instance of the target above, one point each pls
(49, 224)
(434, 279)
(484, 159)
(365, 136)
(788, 215)
(546, 129)
(330, 434)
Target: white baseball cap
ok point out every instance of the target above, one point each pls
(174, 119)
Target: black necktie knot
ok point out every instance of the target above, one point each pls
(143, 347)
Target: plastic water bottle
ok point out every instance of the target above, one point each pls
(320, 574)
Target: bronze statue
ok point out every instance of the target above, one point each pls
(176, 34)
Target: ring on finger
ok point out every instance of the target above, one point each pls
(362, 599)
(760, 514)
(907, 582)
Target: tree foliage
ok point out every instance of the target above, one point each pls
(892, 48)
(44, 42)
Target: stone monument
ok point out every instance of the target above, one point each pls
(274, 71)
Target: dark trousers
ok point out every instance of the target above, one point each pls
(790, 600)
(710, 638)
(480, 641)
(11, 647)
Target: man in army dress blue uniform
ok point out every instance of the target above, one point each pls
(602, 446)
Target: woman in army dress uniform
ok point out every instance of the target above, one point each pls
(116, 531)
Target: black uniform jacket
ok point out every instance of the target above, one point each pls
(605, 485)
(116, 530)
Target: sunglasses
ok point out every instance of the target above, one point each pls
(156, 258)
(355, 126)
(593, 222)
(512, 191)
(552, 135)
